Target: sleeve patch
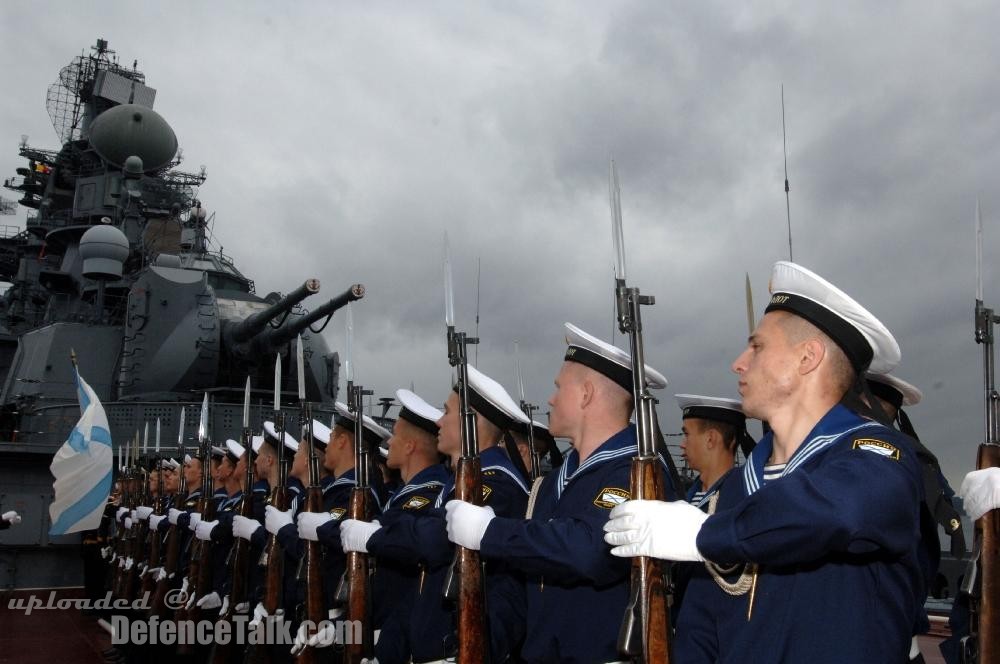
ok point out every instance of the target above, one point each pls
(337, 512)
(879, 447)
(486, 492)
(609, 497)
(416, 503)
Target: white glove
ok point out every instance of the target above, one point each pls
(275, 519)
(121, 562)
(142, 512)
(210, 601)
(242, 607)
(467, 523)
(185, 586)
(354, 534)
(145, 569)
(225, 605)
(259, 614)
(132, 515)
(310, 521)
(204, 530)
(655, 528)
(324, 637)
(191, 602)
(128, 523)
(128, 563)
(154, 520)
(301, 638)
(172, 515)
(244, 527)
(122, 511)
(981, 492)
(161, 574)
(11, 517)
(105, 552)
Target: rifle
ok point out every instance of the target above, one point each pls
(155, 541)
(465, 579)
(136, 546)
(645, 631)
(173, 537)
(239, 555)
(200, 569)
(529, 410)
(122, 535)
(311, 563)
(983, 643)
(273, 557)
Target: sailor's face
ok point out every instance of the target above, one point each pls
(565, 401)
(695, 442)
(337, 439)
(300, 462)
(767, 368)
(450, 428)
(395, 442)
(192, 473)
(170, 481)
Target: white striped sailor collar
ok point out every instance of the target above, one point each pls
(622, 444)
(347, 479)
(706, 493)
(492, 458)
(838, 422)
(428, 478)
(229, 501)
(261, 486)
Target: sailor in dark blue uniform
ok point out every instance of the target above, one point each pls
(422, 627)
(575, 592)
(812, 552)
(413, 452)
(713, 430)
(220, 530)
(180, 515)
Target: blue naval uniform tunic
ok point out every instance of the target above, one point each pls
(835, 537)
(222, 542)
(421, 624)
(575, 592)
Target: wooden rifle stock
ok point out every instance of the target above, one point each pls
(313, 574)
(155, 542)
(201, 557)
(986, 623)
(472, 641)
(358, 584)
(645, 632)
(274, 573)
(170, 567)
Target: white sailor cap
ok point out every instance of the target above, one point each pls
(418, 412)
(727, 411)
(169, 464)
(384, 451)
(488, 398)
(271, 437)
(188, 458)
(234, 450)
(868, 344)
(606, 359)
(218, 452)
(374, 433)
(893, 390)
(320, 434)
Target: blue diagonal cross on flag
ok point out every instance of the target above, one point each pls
(82, 468)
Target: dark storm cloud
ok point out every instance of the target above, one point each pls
(342, 141)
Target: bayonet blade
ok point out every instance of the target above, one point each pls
(517, 374)
(449, 290)
(979, 254)
(203, 421)
(145, 438)
(157, 435)
(277, 383)
(180, 433)
(751, 323)
(616, 222)
(246, 405)
(349, 332)
(300, 367)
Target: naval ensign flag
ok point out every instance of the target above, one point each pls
(82, 468)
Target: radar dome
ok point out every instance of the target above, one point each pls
(104, 250)
(130, 129)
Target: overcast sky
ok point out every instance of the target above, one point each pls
(342, 140)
